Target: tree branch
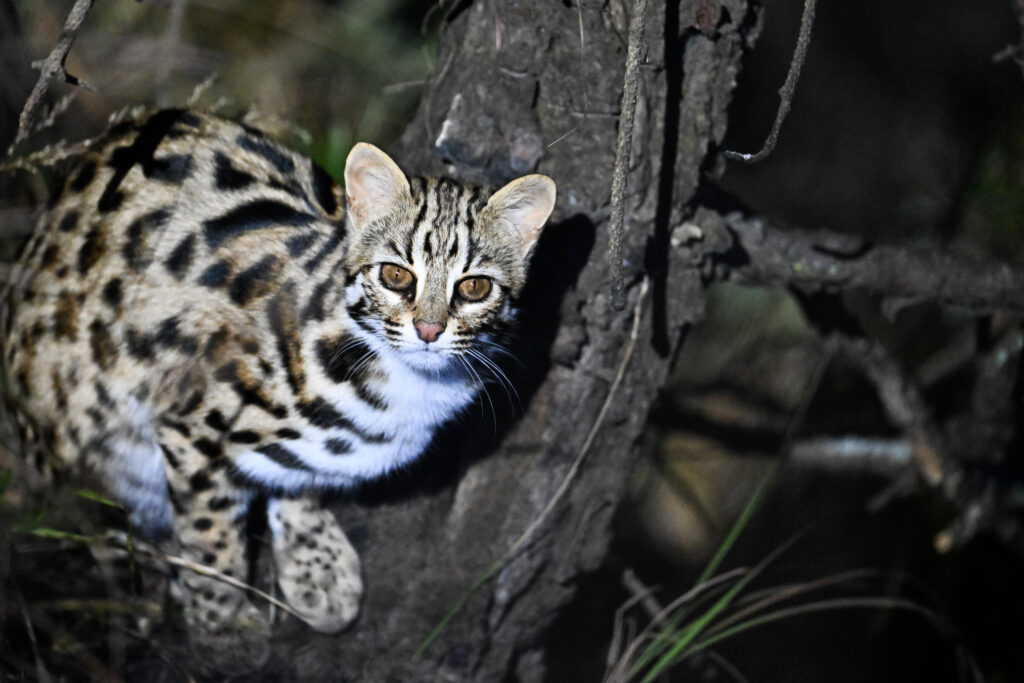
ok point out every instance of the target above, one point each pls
(756, 252)
(887, 456)
(50, 68)
(753, 251)
(905, 407)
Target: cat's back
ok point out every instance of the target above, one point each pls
(170, 227)
(146, 185)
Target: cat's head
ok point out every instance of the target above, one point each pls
(434, 265)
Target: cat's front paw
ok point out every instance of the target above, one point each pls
(227, 634)
(233, 646)
(317, 567)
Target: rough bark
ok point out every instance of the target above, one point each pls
(522, 87)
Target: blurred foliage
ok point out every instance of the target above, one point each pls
(994, 218)
(345, 71)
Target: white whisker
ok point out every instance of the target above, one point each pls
(359, 364)
(502, 350)
(483, 390)
(500, 376)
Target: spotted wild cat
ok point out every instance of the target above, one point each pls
(203, 316)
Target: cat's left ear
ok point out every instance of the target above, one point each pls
(373, 184)
(524, 205)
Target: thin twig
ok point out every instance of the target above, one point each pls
(727, 666)
(854, 452)
(428, 105)
(786, 91)
(200, 89)
(622, 152)
(54, 113)
(50, 68)
(905, 406)
(640, 592)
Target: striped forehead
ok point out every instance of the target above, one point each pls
(445, 215)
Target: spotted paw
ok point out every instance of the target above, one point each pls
(238, 645)
(317, 568)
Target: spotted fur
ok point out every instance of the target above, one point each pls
(201, 318)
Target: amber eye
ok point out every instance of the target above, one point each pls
(474, 288)
(396, 277)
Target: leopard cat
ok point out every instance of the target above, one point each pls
(204, 319)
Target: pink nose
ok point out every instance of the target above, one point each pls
(428, 332)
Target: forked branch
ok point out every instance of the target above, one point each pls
(52, 67)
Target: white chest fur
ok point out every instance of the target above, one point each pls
(377, 440)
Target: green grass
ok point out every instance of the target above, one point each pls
(674, 643)
(722, 605)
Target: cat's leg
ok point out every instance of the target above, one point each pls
(317, 567)
(225, 629)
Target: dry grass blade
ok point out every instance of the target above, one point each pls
(202, 569)
(642, 595)
(47, 156)
(772, 596)
(41, 672)
(877, 602)
(121, 541)
(681, 647)
(621, 670)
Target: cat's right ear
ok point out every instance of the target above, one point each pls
(524, 206)
(373, 184)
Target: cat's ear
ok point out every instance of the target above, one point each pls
(373, 184)
(524, 205)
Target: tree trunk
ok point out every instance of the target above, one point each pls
(519, 87)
